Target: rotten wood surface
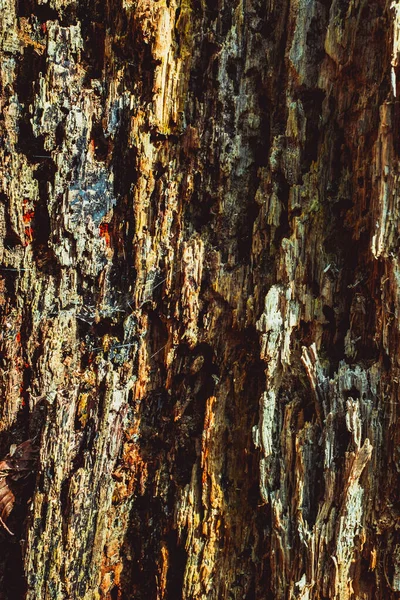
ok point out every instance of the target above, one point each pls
(199, 296)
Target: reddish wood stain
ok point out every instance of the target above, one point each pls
(105, 233)
(28, 216)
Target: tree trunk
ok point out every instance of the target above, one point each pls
(200, 299)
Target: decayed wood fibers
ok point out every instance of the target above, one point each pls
(199, 296)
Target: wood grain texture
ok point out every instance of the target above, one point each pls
(199, 298)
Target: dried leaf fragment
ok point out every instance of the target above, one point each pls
(17, 465)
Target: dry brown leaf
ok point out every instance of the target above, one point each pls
(15, 466)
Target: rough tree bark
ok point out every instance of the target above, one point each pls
(200, 296)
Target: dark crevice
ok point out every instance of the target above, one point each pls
(211, 10)
(44, 255)
(99, 141)
(44, 12)
(12, 580)
(283, 230)
(60, 134)
(343, 442)
(124, 159)
(353, 392)
(29, 144)
(92, 17)
(200, 210)
(176, 570)
(201, 71)
(245, 231)
(29, 67)
(142, 547)
(94, 34)
(13, 584)
(311, 100)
